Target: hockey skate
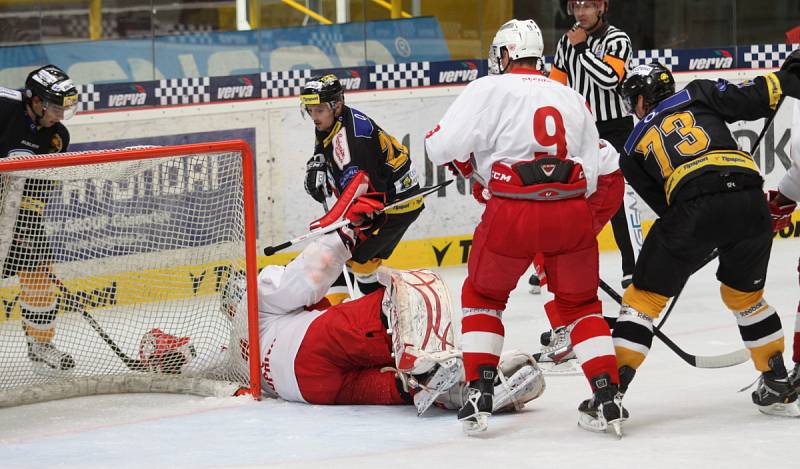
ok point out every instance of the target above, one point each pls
(474, 414)
(604, 410)
(794, 377)
(535, 283)
(557, 355)
(774, 395)
(47, 359)
(444, 376)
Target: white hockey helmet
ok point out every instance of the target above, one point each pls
(522, 38)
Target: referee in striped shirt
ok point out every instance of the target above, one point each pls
(592, 58)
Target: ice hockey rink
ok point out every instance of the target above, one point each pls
(681, 417)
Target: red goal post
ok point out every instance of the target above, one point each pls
(147, 252)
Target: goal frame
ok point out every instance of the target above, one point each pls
(249, 205)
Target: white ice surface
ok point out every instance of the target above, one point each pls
(681, 417)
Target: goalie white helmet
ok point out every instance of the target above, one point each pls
(521, 38)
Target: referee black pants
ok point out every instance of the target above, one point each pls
(616, 131)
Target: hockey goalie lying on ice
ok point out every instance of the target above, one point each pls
(393, 346)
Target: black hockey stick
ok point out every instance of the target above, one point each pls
(422, 192)
(699, 361)
(73, 303)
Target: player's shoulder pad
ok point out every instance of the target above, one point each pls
(13, 95)
(60, 139)
(362, 125)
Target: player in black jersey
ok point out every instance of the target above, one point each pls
(348, 144)
(30, 124)
(683, 161)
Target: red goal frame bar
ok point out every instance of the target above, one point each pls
(110, 156)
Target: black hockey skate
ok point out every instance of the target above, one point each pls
(604, 410)
(48, 357)
(774, 395)
(535, 283)
(626, 374)
(474, 414)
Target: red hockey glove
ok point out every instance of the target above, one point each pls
(781, 210)
(366, 215)
(480, 193)
(460, 168)
(357, 187)
(165, 353)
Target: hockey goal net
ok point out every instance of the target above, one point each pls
(128, 270)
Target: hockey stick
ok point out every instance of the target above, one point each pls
(699, 361)
(75, 304)
(422, 192)
(350, 290)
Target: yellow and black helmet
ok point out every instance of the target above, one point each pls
(654, 81)
(322, 89)
(54, 87)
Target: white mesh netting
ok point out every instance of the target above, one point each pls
(123, 276)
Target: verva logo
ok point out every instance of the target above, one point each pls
(127, 99)
(710, 63)
(235, 92)
(352, 83)
(457, 76)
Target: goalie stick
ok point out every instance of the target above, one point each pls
(76, 305)
(350, 290)
(422, 192)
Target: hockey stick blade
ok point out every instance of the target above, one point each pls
(422, 192)
(699, 361)
(74, 303)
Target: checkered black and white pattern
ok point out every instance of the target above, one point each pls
(663, 56)
(286, 83)
(403, 75)
(183, 91)
(767, 55)
(77, 26)
(88, 98)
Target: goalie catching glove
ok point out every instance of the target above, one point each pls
(780, 208)
(165, 353)
(364, 210)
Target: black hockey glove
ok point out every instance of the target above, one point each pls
(792, 63)
(317, 178)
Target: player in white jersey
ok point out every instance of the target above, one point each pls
(533, 143)
(781, 205)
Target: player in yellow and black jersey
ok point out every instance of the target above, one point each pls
(683, 161)
(30, 124)
(348, 142)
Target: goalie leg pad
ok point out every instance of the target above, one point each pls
(519, 381)
(418, 310)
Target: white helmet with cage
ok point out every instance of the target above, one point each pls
(522, 38)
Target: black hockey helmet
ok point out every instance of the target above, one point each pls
(653, 81)
(322, 89)
(54, 88)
